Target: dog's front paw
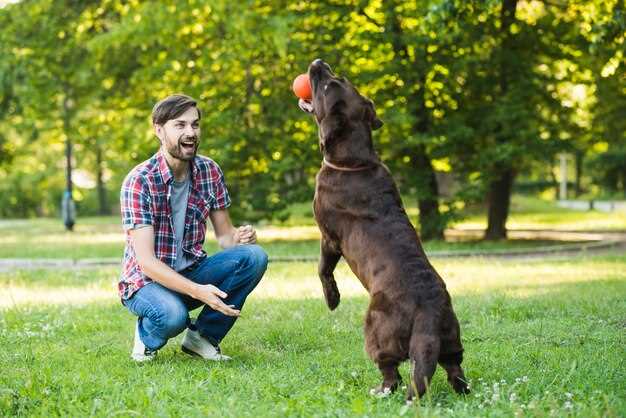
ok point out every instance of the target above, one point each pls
(331, 293)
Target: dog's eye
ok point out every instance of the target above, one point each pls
(326, 87)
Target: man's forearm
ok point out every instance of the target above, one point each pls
(228, 239)
(166, 276)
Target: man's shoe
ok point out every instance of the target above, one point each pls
(197, 345)
(140, 352)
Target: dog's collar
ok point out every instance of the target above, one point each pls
(336, 167)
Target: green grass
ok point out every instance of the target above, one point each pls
(102, 237)
(542, 338)
(535, 213)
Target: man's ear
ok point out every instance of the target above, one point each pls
(373, 119)
(158, 130)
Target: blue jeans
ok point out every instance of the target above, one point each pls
(164, 313)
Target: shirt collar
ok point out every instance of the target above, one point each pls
(166, 171)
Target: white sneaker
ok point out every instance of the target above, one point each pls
(140, 352)
(197, 345)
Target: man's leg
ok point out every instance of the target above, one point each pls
(236, 271)
(162, 314)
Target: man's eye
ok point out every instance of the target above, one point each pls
(195, 126)
(180, 126)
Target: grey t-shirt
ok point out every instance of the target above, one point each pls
(178, 201)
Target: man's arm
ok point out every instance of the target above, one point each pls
(227, 235)
(143, 244)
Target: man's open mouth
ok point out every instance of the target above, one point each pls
(188, 145)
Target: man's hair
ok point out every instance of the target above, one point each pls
(171, 107)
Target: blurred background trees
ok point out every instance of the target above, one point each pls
(478, 97)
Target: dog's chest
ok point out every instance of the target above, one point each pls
(337, 205)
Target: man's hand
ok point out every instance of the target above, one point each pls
(212, 296)
(245, 235)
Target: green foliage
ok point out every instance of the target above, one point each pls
(462, 88)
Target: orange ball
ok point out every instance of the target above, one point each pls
(302, 87)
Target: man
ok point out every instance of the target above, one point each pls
(165, 202)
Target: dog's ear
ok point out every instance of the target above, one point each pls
(371, 117)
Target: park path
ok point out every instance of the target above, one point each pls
(591, 242)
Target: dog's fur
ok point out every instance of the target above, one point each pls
(361, 217)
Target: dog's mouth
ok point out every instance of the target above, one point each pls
(319, 72)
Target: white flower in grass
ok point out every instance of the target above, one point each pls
(568, 395)
(524, 379)
(512, 397)
(568, 405)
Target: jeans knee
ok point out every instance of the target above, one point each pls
(257, 257)
(173, 320)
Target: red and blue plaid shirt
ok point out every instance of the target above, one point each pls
(145, 200)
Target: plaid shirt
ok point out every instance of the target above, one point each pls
(145, 199)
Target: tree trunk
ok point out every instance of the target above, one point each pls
(499, 192)
(431, 223)
(103, 207)
(499, 202)
(579, 172)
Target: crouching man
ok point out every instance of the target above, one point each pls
(165, 202)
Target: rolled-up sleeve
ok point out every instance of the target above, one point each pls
(220, 192)
(135, 203)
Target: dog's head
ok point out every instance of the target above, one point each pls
(337, 105)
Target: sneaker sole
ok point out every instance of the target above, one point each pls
(190, 352)
(194, 354)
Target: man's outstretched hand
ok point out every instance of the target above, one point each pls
(212, 296)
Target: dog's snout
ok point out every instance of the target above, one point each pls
(318, 65)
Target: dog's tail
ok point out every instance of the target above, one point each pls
(424, 349)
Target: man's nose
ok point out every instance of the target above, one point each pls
(189, 131)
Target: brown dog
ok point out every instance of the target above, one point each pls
(359, 212)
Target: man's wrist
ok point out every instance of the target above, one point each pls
(193, 290)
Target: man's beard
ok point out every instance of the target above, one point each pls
(179, 151)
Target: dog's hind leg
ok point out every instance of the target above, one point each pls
(456, 378)
(383, 343)
(423, 353)
(451, 354)
(329, 257)
(391, 377)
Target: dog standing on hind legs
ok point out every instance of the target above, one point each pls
(361, 217)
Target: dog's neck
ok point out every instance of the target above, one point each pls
(348, 155)
(339, 168)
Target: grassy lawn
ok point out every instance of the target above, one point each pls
(534, 213)
(542, 338)
(102, 236)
